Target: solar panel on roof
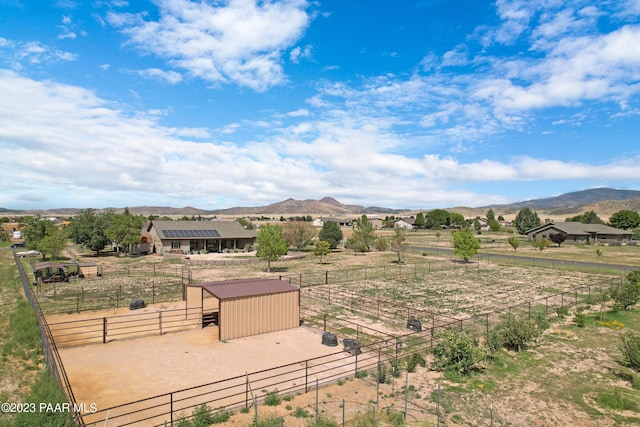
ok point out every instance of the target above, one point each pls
(178, 234)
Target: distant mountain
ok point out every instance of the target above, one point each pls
(604, 201)
(571, 202)
(325, 206)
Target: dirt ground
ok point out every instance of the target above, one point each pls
(128, 370)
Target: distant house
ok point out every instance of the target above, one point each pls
(578, 232)
(184, 237)
(377, 223)
(406, 223)
(319, 222)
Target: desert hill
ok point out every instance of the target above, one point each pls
(604, 201)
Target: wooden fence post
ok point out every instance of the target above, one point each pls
(104, 330)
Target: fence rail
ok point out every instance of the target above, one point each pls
(378, 347)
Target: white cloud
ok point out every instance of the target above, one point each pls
(170, 77)
(298, 53)
(241, 41)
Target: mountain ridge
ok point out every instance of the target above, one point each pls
(603, 199)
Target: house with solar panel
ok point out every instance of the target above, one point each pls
(186, 237)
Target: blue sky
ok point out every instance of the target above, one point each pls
(408, 104)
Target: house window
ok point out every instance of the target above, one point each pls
(175, 245)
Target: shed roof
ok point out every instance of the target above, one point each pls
(246, 287)
(42, 265)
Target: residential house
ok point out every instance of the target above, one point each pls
(198, 236)
(578, 232)
(319, 222)
(406, 223)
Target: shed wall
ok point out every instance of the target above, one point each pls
(241, 317)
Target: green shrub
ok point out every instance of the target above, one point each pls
(494, 341)
(322, 422)
(362, 374)
(300, 413)
(627, 294)
(630, 348)
(202, 416)
(412, 362)
(541, 321)
(562, 311)
(457, 352)
(396, 370)
(272, 398)
(517, 333)
(580, 319)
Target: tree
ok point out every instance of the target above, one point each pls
(356, 244)
(88, 228)
(526, 220)
(419, 221)
(298, 234)
(465, 245)
(321, 249)
(456, 220)
(271, 244)
(331, 233)
(398, 242)
(457, 352)
(53, 243)
(494, 225)
(586, 218)
(42, 235)
(245, 223)
(558, 238)
(437, 218)
(514, 242)
(627, 294)
(124, 229)
(364, 233)
(541, 244)
(625, 219)
(477, 226)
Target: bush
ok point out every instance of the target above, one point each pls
(517, 333)
(627, 294)
(272, 398)
(494, 341)
(580, 319)
(413, 361)
(457, 352)
(630, 348)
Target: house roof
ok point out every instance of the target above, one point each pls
(240, 288)
(578, 229)
(201, 229)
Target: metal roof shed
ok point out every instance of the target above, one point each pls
(249, 306)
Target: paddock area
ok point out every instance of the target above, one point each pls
(124, 371)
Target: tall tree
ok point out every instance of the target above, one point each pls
(526, 220)
(456, 220)
(625, 219)
(494, 225)
(331, 233)
(88, 228)
(465, 245)
(437, 218)
(43, 235)
(271, 244)
(514, 242)
(298, 234)
(124, 229)
(419, 221)
(364, 233)
(586, 218)
(398, 242)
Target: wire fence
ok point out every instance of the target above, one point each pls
(376, 348)
(50, 352)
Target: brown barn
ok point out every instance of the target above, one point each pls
(246, 307)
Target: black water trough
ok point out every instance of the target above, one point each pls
(351, 346)
(414, 325)
(136, 304)
(329, 339)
